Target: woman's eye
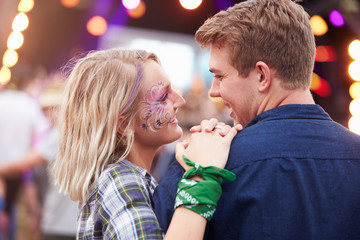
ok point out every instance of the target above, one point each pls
(218, 76)
(164, 97)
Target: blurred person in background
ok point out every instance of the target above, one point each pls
(2, 201)
(22, 126)
(57, 212)
(297, 170)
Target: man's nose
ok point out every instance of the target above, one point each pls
(214, 90)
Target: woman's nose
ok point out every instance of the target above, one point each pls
(179, 100)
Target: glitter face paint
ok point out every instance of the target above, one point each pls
(154, 111)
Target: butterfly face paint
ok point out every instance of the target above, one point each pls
(154, 111)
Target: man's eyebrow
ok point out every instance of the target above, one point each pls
(212, 70)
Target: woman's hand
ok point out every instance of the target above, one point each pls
(209, 144)
(212, 124)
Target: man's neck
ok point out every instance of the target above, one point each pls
(281, 97)
(298, 96)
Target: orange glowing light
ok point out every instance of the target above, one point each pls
(354, 90)
(318, 25)
(354, 70)
(325, 54)
(190, 4)
(25, 5)
(354, 124)
(354, 49)
(70, 3)
(15, 40)
(214, 99)
(96, 26)
(320, 86)
(21, 22)
(315, 81)
(5, 75)
(131, 4)
(354, 107)
(137, 12)
(10, 58)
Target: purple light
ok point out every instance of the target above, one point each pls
(336, 18)
(223, 4)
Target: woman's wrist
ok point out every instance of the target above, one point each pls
(201, 196)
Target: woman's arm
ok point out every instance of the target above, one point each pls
(186, 224)
(208, 148)
(18, 166)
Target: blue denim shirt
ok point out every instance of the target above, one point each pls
(298, 177)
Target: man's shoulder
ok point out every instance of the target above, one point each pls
(294, 138)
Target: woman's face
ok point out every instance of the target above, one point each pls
(157, 124)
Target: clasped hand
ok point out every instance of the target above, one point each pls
(208, 145)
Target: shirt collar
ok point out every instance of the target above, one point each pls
(142, 171)
(289, 111)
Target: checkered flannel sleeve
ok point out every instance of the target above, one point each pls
(123, 209)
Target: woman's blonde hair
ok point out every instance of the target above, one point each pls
(102, 86)
(277, 32)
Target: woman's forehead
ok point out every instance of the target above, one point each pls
(154, 75)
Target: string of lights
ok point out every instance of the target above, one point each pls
(354, 90)
(15, 40)
(328, 54)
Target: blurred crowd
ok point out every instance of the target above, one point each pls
(31, 205)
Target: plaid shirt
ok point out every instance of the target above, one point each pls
(120, 206)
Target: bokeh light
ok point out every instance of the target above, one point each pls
(215, 99)
(96, 25)
(70, 3)
(318, 25)
(5, 75)
(190, 4)
(354, 49)
(15, 40)
(10, 58)
(25, 5)
(325, 54)
(354, 107)
(315, 81)
(21, 22)
(354, 70)
(354, 124)
(336, 18)
(320, 86)
(137, 12)
(354, 90)
(131, 4)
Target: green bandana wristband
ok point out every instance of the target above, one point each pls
(207, 172)
(201, 197)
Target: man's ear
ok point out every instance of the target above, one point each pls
(265, 76)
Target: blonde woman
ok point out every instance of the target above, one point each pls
(118, 109)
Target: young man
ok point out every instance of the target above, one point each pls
(297, 170)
